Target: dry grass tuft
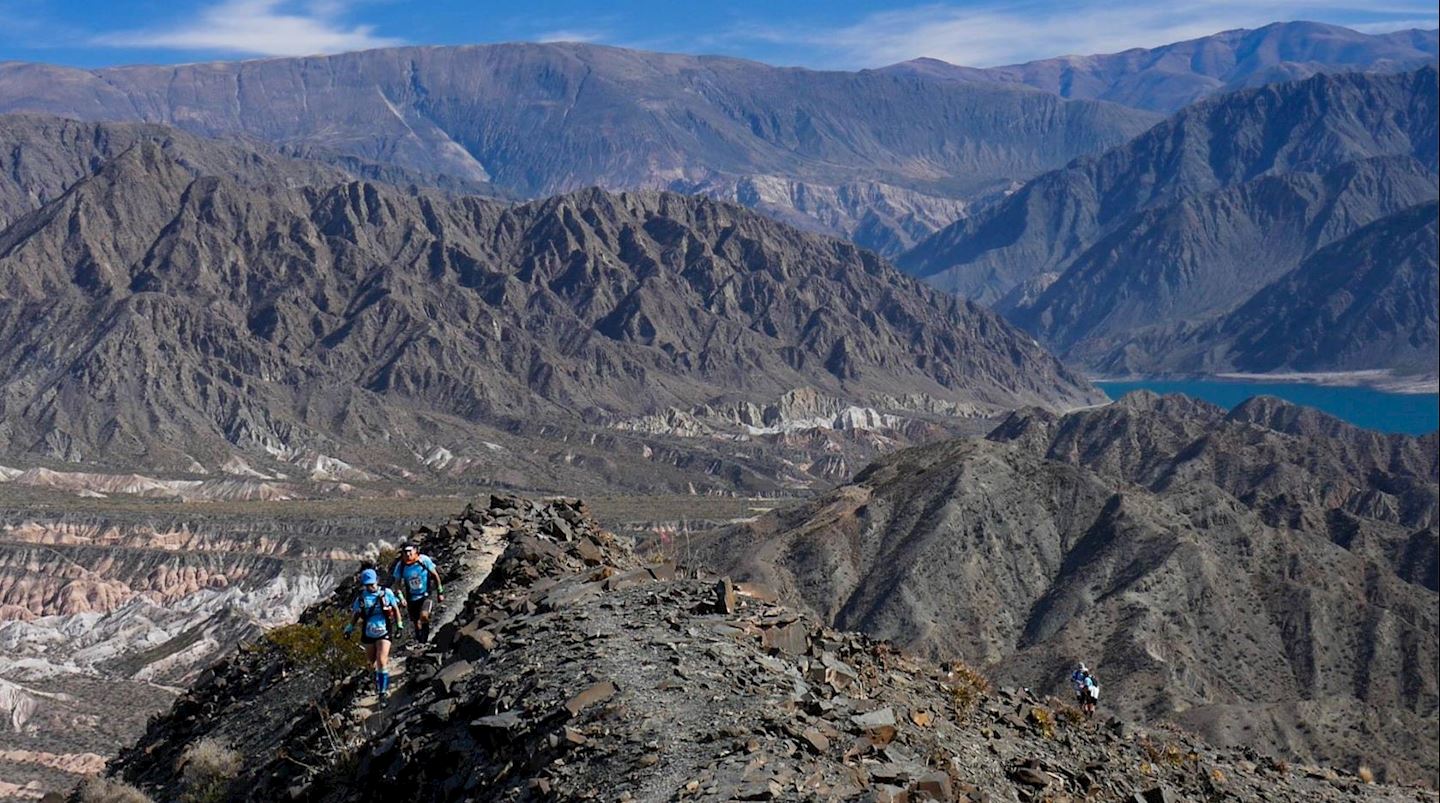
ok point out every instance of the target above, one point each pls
(208, 767)
(967, 687)
(105, 790)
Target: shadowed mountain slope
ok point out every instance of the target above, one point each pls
(1368, 299)
(1265, 577)
(1189, 221)
(1166, 78)
(1312, 127)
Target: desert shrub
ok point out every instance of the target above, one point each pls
(1044, 721)
(105, 790)
(1168, 754)
(208, 767)
(320, 646)
(967, 687)
(1069, 714)
(386, 558)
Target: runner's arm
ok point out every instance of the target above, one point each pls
(439, 584)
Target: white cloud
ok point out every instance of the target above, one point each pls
(993, 33)
(569, 35)
(259, 27)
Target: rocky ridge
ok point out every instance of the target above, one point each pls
(147, 307)
(1265, 576)
(575, 670)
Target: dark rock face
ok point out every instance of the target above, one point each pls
(1367, 299)
(1164, 79)
(599, 674)
(1266, 577)
(883, 158)
(151, 313)
(1191, 219)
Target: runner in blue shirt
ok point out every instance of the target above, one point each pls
(420, 586)
(378, 611)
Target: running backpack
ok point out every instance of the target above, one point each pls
(377, 623)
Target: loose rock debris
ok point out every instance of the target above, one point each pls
(577, 671)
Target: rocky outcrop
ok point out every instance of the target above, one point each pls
(157, 318)
(575, 670)
(541, 119)
(1166, 78)
(1266, 576)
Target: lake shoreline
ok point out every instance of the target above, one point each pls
(1363, 405)
(1380, 380)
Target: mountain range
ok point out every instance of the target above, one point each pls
(182, 302)
(883, 157)
(1191, 219)
(1368, 299)
(1265, 576)
(1165, 79)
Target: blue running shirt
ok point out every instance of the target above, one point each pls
(372, 605)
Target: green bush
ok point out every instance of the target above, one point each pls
(321, 646)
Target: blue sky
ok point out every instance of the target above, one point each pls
(842, 34)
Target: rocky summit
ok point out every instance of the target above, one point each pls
(1265, 576)
(568, 668)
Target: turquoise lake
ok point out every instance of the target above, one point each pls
(1411, 413)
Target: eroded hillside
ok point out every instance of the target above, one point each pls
(1265, 576)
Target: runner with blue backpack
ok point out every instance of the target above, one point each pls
(378, 611)
(419, 583)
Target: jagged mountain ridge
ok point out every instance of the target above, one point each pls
(1367, 299)
(41, 157)
(1185, 264)
(541, 119)
(1264, 577)
(1311, 126)
(1188, 221)
(317, 317)
(573, 669)
(1166, 78)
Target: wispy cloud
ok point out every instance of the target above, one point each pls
(570, 35)
(259, 27)
(987, 34)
